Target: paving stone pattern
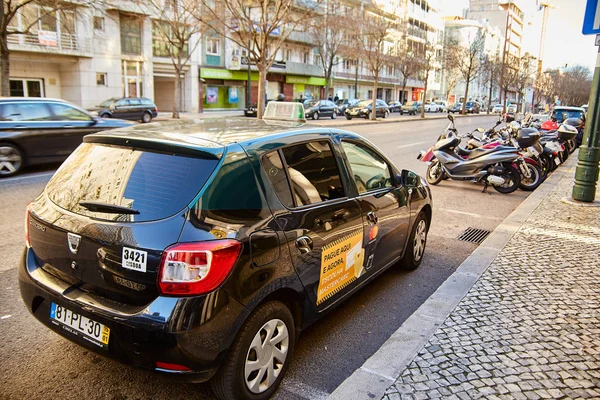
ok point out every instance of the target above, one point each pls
(530, 327)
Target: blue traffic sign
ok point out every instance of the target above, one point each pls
(591, 20)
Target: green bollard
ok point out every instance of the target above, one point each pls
(586, 173)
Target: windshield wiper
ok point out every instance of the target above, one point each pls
(107, 208)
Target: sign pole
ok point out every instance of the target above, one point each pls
(586, 174)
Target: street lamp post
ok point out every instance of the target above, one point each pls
(586, 174)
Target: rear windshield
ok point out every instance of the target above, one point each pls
(562, 115)
(154, 184)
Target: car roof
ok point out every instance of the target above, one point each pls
(208, 133)
(568, 108)
(22, 99)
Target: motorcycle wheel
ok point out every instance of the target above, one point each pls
(514, 179)
(435, 173)
(545, 165)
(571, 146)
(531, 183)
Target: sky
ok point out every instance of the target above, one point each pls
(565, 44)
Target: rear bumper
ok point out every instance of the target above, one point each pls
(192, 332)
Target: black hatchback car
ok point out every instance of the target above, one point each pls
(41, 130)
(131, 108)
(316, 109)
(200, 249)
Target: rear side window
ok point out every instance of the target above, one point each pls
(9, 112)
(29, 112)
(156, 185)
(313, 173)
(64, 112)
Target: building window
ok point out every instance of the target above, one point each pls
(161, 41)
(305, 57)
(101, 79)
(99, 24)
(26, 88)
(213, 46)
(131, 35)
(132, 79)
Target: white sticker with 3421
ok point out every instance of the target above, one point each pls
(134, 259)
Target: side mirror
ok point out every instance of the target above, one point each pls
(95, 120)
(450, 117)
(409, 178)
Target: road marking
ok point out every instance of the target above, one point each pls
(5, 316)
(409, 145)
(20, 178)
(469, 214)
(302, 390)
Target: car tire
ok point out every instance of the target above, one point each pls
(348, 118)
(401, 112)
(146, 117)
(315, 116)
(368, 116)
(334, 115)
(11, 160)
(270, 320)
(386, 114)
(415, 248)
(105, 115)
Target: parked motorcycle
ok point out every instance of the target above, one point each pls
(495, 166)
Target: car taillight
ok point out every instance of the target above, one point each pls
(27, 227)
(190, 269)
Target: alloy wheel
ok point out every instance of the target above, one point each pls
(266, 356)
(420, 238)
(10, 160)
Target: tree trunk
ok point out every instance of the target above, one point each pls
(424, 96)
(177, 93)
(464, 107)
(262, 80)
(374, 103)
(4, 66)
(490, 95)
(403, 89)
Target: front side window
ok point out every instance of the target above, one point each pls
(369, 170)
(313, 173)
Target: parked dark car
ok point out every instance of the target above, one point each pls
(362, 109)
(456, 108)
(131, 108)
(561, 113)
(411, 108)
(251, 111)
(345, 103)
(472, 107)
(316, 109)
(201, 250)
(41, 130)
(394, 106)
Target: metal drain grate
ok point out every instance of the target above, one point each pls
(474, 235)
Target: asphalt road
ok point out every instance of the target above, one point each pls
(38, 364)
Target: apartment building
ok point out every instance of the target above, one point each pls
(87, 55)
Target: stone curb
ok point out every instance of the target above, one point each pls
(382, 369)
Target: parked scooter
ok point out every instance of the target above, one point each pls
(495, 166)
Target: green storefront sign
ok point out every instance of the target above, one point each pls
(306, 80)
(214, 73)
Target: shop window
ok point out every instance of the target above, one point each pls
(131, 35)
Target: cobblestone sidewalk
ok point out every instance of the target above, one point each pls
(530, 327)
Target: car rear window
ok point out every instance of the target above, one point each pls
(157, 185)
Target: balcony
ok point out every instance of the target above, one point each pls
(64, 44)
(295, 68)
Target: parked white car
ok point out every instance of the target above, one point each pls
(432, 107)
(497, 109)
(442, 105)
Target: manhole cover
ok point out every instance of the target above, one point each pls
(474, 235)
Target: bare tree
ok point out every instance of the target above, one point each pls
(523, 76)
(328, 30)
(491, 71)
(373, 43)
(259, 26)
(573, 85)
(544, 88)
(407, 62)
(426, 66)
(467, 59)
(174, 26)
(506, 81)
(39, 10)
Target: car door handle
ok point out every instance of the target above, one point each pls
(68, 126)
(304, 244)
(372, 217)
